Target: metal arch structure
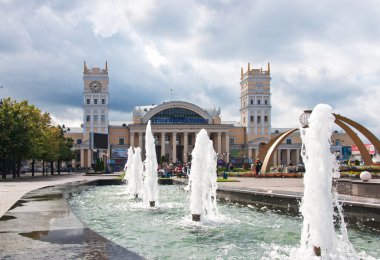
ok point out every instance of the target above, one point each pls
(272, 148)
(266, 147)
(363, 150)
(368, 134)
(344, 123)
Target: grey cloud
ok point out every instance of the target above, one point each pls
(43, 45)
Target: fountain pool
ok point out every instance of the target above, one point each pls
(167, 232)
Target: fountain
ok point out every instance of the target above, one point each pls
(202, 179)
(246, 232)
(128, 166)
(151, 180)
(318, 236)
(135, 180)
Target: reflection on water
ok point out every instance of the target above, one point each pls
(6, 217)
(61, 236)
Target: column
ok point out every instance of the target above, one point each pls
(185, 146)
(298, 152)
(219, 142)
(162, 144)
(279, 157)
(287, 157)
(174, 156)
(275, 158)
(89, 157)
(141, 140)
(82, 158)
(248, 122)
(132, 139)
(228, 147)
(92, 121)
(262, 122)
(255, 121)
(249, 153)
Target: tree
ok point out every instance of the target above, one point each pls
(65, 153)
(26, 133)
(16, 130)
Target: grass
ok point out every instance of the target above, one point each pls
(226, 180)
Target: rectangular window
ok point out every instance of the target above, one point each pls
(266, 102)
(251, 101)
(121, 141)
(103, 101)
(258, 119)
(88, 118)
(79, 141)
(232, 140)
(337, 142)
(95, 101)
(103, 118)
(288, 141)
(265, 118)
(252, 118)
(95, 118)
(88, 101)
(258, 101)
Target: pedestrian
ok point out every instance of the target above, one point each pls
(258, 166)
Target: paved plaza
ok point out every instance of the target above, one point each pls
(11, 190)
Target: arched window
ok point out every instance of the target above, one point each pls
(177, 116)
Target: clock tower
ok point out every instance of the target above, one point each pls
(95, 100)
(255, 103)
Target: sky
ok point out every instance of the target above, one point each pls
(324, 51)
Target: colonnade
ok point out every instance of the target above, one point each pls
(177, 145)
(282, 156)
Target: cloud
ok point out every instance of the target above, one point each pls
(196, 48)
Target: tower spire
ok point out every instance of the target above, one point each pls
(249, 67)
(106, 66)
(268, 67)
(84, 66)
(241, 73)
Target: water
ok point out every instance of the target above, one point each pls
(202, 179)
(151, 179)
(317, 207)
(167, 232)
(135, 180)
(128, 166)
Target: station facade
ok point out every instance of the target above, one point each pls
(176, 123)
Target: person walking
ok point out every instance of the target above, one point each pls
(258, 165)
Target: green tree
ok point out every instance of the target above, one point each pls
(65, 153)
(17, 121)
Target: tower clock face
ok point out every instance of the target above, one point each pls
(95, 86)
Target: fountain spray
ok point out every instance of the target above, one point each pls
(202, 179)
(151, 179)
(128, 166)
(318, 236)
(135, 181)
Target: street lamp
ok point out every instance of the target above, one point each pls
(304, 118)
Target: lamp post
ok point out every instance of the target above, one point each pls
(304, 118)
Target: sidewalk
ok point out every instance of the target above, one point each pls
(11, 190)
